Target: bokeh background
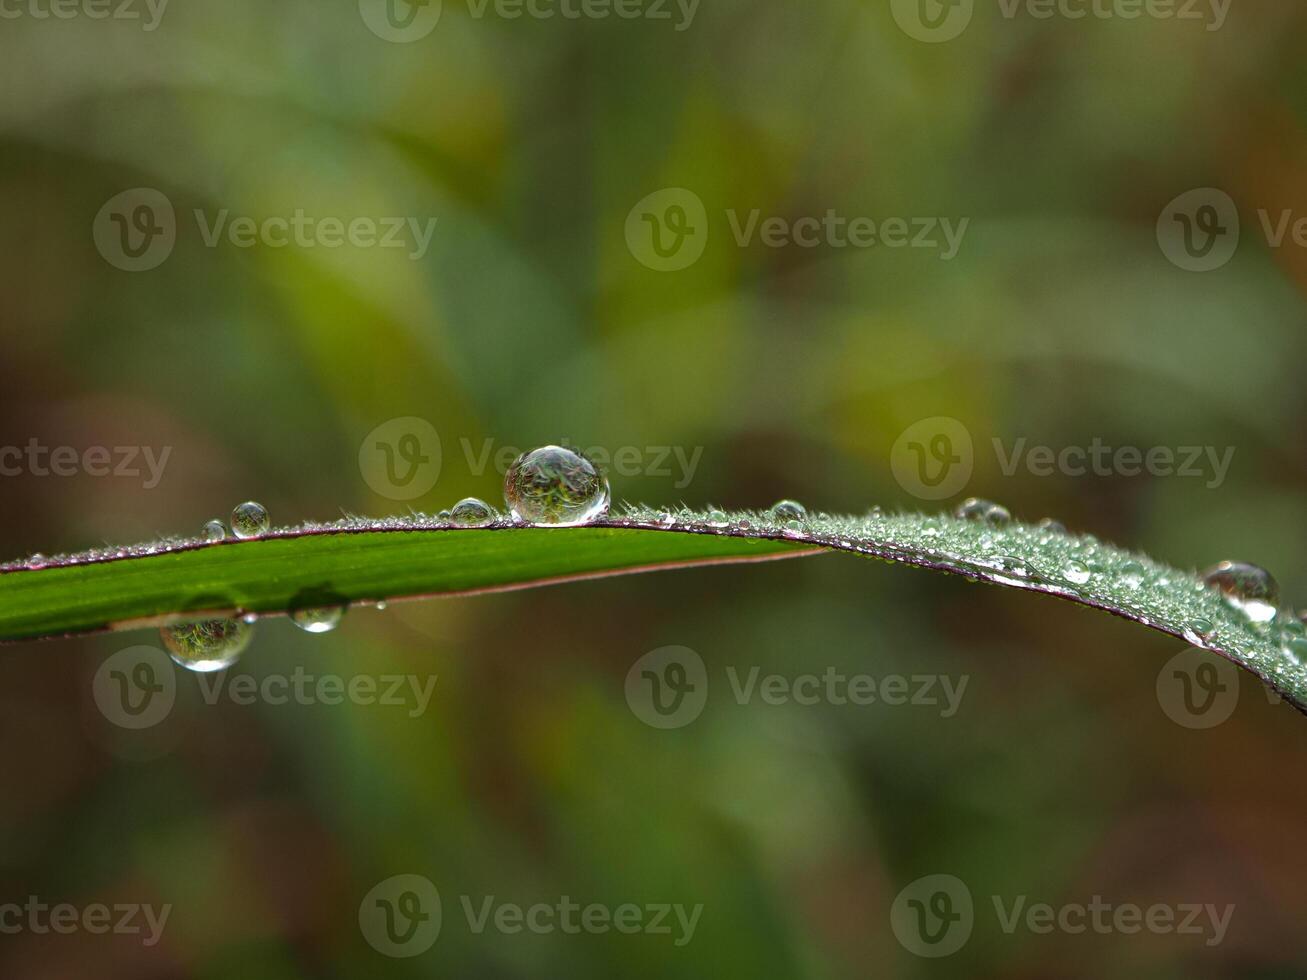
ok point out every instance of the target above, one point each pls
(1066, 316)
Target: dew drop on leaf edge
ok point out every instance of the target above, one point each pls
(249, 520)
(554, 486)
(206, 645)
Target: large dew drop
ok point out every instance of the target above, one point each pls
(249, 520)
(207, 645)
(977, 509)
(788, 510)
(471, 512)
(555, 487)
(1249, 588)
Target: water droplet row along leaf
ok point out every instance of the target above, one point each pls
(368, 560)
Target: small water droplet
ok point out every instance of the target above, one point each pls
(471, 512)
(381, 605)
(788, 510)
(743, 524)
(215, 530)
(1048, 524)
(555, 487)
(978, 509)
(1076, 572)
(320, 619)
(793, 529)
(717, 518)
(1249, 588)
(249, 617)
(206, 645)
(1131, 574)
(249, 520)
(1198, 631)
(37, 560)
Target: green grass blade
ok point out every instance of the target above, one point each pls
(366, 561)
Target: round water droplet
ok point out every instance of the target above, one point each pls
(1076, 572)
(1249, 588)
(443, 516)
(788, 510)
(381, 605)
(206, 645)
(321, 619)
(250, 618)
(977, 509)
(555, 487)
(1131, 574)
(471, 512)
(1048, 524)
(717, 518)
(215, 530)
(249, 520)
(37, 560)
(743, 524)
(793, 528)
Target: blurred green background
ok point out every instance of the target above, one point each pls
(538, 313)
